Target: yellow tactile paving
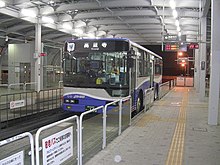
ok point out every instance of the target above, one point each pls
(175, 155)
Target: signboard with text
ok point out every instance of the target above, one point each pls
(174, 38)
(15, 159)
(105, 45)
(193, 46)
(174, 47)
(17, 104)
(58, 147)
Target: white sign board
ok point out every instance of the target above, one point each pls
(17, 104)
(58, 147)
(15, 159)
(189, 82)
(180, 81)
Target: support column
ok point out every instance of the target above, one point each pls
(196, 70)
(1, 59)
(215, 67)
(202, 60)
(38, 62)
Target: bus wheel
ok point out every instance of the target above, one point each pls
(139, 103)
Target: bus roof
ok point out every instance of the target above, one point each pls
(90, 39)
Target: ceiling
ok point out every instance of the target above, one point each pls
(142, 21)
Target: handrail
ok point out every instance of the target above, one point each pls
(165, 83)
(17, 137)
(28, 83)
(105, 116)
(80, 130)
(9, 86)
(104, 122)
(60, 83)
(3, 85)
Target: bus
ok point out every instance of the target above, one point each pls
(99, 71)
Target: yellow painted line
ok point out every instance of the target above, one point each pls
(175, 154)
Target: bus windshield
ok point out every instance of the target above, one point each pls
(96, 69)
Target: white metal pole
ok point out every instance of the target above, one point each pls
(120, 118)
(104, 127)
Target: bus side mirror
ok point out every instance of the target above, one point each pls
(130, 62)
(130, 54)
(66, 55)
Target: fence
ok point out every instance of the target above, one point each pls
(75, 142)
(20, 105)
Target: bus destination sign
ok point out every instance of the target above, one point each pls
(97, 45)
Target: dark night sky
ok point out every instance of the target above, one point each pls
(170, 66)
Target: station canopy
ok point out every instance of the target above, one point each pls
(143, 21)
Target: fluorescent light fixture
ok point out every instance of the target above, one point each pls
(6, 38)
(79, 31)
(67, 26)
(172, 4)
(28, 13)
(177, 23)
(175, 14)
(179, 34)
(178, 28)
(51, 2)
(47, 19)
(2, 4)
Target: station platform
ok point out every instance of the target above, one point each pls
(174, 131)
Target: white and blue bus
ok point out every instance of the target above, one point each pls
(99, 71)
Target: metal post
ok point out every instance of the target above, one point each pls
(202, 59)
(38, 68)
(104, 128)
(120, 118)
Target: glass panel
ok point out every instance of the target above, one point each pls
(112, 126)
(164, 89)
(92, 136)
(56, 144)
(17, 151)
(52, 69)
(126, 113)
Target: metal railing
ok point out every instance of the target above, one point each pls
(29, 83)
(37, 137)
(60, 82)
(20, 105)
(80, 131)
(164, 89)
(18, 137)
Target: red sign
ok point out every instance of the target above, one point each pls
(194, 46)
(43, 54)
